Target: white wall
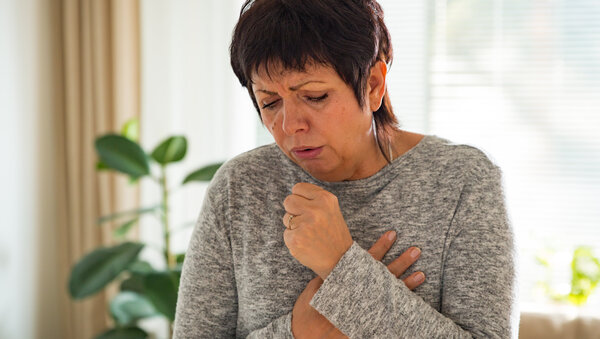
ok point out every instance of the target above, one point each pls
(27, 246)
(188, 88)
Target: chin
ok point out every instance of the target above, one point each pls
(316, 171)
(318, 168)
(322, 174)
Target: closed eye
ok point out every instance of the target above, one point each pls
(317, 99)
(270, 105)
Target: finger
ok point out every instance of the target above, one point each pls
(291, 219)
(382, 246)
(414, 280)
(403, 262)
(286, 219)
(306, 190)
(295, 204)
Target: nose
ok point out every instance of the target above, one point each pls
(294, 120)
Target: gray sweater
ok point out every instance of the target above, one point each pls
(239, 279)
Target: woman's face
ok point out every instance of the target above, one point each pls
(317, 122)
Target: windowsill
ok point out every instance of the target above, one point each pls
(558, 321)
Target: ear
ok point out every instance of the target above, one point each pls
(376, 85)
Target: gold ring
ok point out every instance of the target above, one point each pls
(290, 222)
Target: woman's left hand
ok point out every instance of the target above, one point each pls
(319, 235)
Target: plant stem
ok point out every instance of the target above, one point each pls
(169, 258)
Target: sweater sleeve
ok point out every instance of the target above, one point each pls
(280, 328)
(364, 300)
(207, 298)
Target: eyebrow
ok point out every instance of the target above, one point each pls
(293, 88)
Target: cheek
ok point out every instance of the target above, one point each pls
(270, 123)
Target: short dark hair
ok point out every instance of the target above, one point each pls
(348, 35)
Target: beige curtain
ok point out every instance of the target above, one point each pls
(100, 87)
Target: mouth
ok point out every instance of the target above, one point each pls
(307, 152)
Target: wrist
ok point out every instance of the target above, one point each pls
(324, 273)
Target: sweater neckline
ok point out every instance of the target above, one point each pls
(389, 171)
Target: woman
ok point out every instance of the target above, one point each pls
(279, 250)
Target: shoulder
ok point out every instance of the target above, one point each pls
(252, 170)
(459, 160)
(252, 164)
(260, 159)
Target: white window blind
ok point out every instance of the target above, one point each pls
(408, 87)
(521, 80)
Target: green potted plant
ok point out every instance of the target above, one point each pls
(143, 290)
(585, 276)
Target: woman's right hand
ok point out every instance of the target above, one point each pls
(306, 321)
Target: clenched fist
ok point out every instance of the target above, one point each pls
(319, 235)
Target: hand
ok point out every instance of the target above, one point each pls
(400, 264)
(320, 236)
(308, 323)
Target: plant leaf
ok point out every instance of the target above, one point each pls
(171, 150)
(123, 155)
(128, 307)
(122, 230)
(161, 289)
(100, 166)
(205, 173)
(131, 129)
(98, 268)
(179, 258)
(585, 275)
(140, 267)
(124, 333)
(137, 211)
(135, 283)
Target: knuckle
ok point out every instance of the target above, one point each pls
(291, 242)
(297, 187)
(322, 194)
(287, 201)
(328, 198)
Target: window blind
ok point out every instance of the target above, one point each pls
(520, 80)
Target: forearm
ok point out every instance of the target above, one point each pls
(364, 300)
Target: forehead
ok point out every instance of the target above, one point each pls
(275, 74)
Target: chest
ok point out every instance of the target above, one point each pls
(269, 279)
